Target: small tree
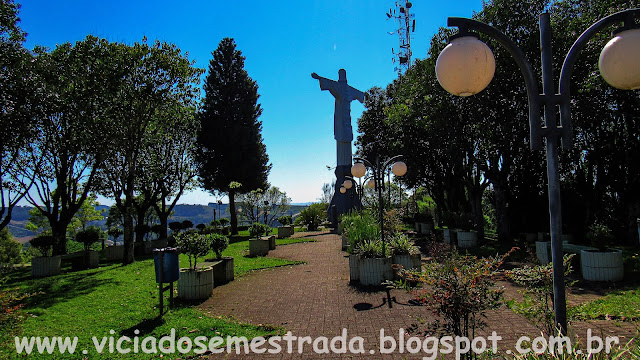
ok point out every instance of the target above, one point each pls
(201, 227)
(186, 224)
(115, 233)
(156, 229)
(259, 229)
(142, 229)
(90, 236)
(218, 244)
(175, 226)
(44, 244)
(285, 220)
(194, 245)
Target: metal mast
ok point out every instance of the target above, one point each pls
(406, 25)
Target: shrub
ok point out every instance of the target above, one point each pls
(144, 229)
(259, 229)
(44, 244)
(10, 249)
(312, 216)
(201, 227)
(599, 235)
(215, 223)
(218, 244)
(194, 245)
(401, 245)
(372, 249)
(537, 304)
(459, 288)
(224, 221)
(360, 228)
(285, 220)
(90, 236)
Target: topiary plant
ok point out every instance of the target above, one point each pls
(224, 221)
(285, 220)
(90, 236)
(258, 230)
(312, 216)
(194, 245)
(44, 244)
(218, 244)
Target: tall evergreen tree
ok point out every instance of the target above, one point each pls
(232, 156)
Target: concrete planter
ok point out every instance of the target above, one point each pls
(408, 262)
(375, 271)
(223, 271)
(451, 236)
(426, 228)
(602, 265)
(114, 253)
(258, 247)
(272, 241)
(44, 266)
(85, 260)
(417, 225)
(542, 252)
(467, 239)
(195, 284)
(354, 268)
(285, 231)
(345, 242)
(340, 228)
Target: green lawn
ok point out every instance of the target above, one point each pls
(94, 302)
(621, 305)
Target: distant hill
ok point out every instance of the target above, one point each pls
(197, 214)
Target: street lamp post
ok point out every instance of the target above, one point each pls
(466, 66)
(378, 171)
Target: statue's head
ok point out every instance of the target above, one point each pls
(342, 75)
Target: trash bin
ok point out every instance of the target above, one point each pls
(171, 264)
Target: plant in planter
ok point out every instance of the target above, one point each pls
(194, 283)
(603, 264)
(286, 229)
(45, 265)
(223, 266)
(259, 246)
(375, 266)
(88, 237)
(404, 253)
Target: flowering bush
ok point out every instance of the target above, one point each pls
(459, 289)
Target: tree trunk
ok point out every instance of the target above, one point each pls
(232, 213)
(128, 257)
(59, 232)
(164, 221)
(502, 216)
(475, 199)
(140, 219)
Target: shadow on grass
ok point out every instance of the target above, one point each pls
(145, 327)
(47, 292)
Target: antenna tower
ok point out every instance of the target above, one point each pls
(406, 26)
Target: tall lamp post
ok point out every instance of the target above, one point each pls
(466, 66)
(359, 169)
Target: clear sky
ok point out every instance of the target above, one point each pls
(283, 42)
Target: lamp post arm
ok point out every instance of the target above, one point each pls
(391, 161)
(530, 81)
(564, 85)
(365, 161)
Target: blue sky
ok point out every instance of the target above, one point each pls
(283, 42)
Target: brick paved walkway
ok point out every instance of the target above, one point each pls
(315, 299)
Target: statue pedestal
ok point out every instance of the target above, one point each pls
(342, 203)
